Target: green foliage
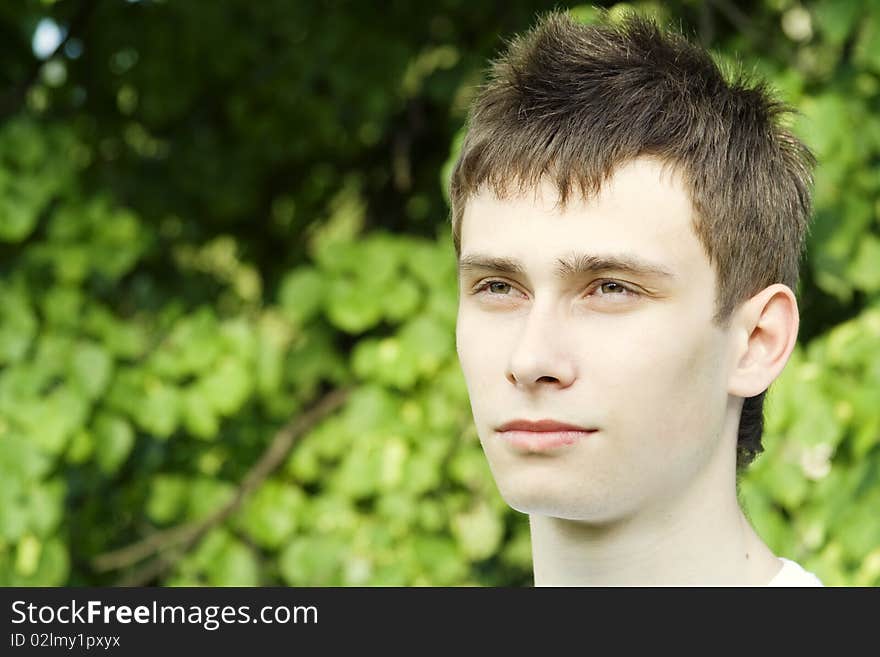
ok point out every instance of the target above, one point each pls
(196, 245)
(821, 462)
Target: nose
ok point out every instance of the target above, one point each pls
(542, 353)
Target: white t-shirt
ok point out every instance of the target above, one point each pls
(792, 574)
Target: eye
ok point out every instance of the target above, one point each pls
(605, 288)
(492, 287)
(612, 289)
(498, 286)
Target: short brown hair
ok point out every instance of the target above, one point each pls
(574, 102)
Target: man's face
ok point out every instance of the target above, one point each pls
(632, 354)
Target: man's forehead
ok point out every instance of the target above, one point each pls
(640, 202)
(640, 223)
(648, 174)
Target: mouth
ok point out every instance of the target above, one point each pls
(543, 441)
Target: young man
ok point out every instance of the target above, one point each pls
(629, 227)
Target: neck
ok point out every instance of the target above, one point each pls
(698, 536)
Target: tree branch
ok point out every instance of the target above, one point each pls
(184, 536)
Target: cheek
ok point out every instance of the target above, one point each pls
(465, 340)
(479, 349)
(480, 338)
(675, 378)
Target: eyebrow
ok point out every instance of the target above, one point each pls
(568, 266)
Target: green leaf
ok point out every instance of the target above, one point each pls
(13, 510)
(383, 361)
(584, 13)
(393, 457)
(240, 337)
(80, 448)
(365, 358)
(199, 416)
(431, 515)
(858, 529)
(370, 407)
(432, 265)
(864, 270)
(352, 306)
(207, 495)
(836, 18)
(470, 468)
(20, 458)
(329, 241)
(72, 263)
(234, 565)
(62, 307)
(192, 347)
(269, 517)
(302, 293)
(114, 439)
(439, 559)
(90, 368)
(52, 568)
(46, 506)
(422, 471)
(815, 421)
(313, 561)
(227, 386)
(786, 484)
(28, 555)
(123, 339)
(331, 513)
(866, 437)
(17, 220)
(359, 473)
(275, 336)
(122, 240)
(50, 421)
(443, 305)
(400, 512)
(518, 551)
(338, 257)
(401, 299)
(18, 325)
(304, 464)
(866, 51)
(379, 259)
(395, 365)
(443, 413)
(157, 410)
(478, 532)
(209, 549)
(314, 357)
(168, 497)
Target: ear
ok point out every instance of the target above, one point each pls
(764, 333)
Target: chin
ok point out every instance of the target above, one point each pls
(586, 506)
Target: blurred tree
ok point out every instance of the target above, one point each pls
(214, 215)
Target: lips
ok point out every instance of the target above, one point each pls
(542, 435)
(541, 426)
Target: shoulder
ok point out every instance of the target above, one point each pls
(793, 574)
